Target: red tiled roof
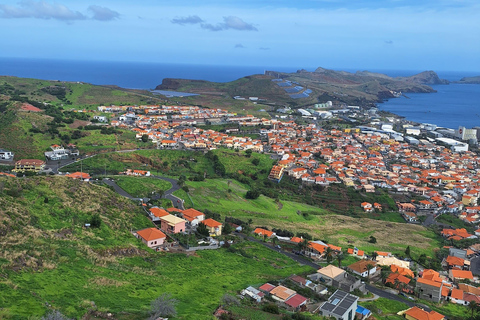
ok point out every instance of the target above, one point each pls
(296, 300)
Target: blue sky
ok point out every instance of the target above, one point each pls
(351, 34)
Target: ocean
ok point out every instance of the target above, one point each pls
(131, 75)
(451, 106)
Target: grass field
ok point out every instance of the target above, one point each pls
(141, 187)
(385, 309)
(48, 258)
(336, 229)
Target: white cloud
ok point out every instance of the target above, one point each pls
(103, 13)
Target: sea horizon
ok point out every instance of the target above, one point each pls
(451, 106)
(147, 75)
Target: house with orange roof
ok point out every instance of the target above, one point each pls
(79, 175)
(456, 296)
(363, 268)
(397, 280)
(402, 271)
(415, 313)
(194, 217)
(456, 275)
(264, 233)
(454, 262)
(316, 249)
(152, 237)
(156, 213)
(214, 227)
(367, 206)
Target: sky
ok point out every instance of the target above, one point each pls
(351, 34)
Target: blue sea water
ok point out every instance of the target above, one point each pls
(451, 106)
(132, 75)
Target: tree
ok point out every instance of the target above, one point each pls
(372, 239)
(407, 251)
(248, 153)
(329, 254)
(256, 161)
(374, 255)
(202, 229)
(227, 228)
(54, 315)
(96, 221)
(473, 306)
(163, 306)
(340, 257)
(145, 138)
(302, 245)
(252, 194)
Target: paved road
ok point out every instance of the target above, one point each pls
(388, 295)
(376, 291)
(176, 201)
(475, 266)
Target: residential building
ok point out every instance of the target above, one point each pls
(214, 227)
(429, 290)
(6, 155)
(152, 237)
(29, 165)
(415, 313)
(172, 224)
(340, 305)
(193, 216)
(363, 268)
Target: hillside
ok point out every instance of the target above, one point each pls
(50, 261)
(40, 113)
(305, 88)
(469, 80)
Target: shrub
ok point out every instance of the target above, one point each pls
(271, 308)
(252, 194)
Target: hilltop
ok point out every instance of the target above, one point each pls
(305, 88)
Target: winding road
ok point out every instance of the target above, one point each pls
(176, 201)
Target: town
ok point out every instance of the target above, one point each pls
(433, 176)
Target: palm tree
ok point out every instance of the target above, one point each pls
(473, 306)
(329, 254)
(374, 255)
(302, 245)
(340, 257)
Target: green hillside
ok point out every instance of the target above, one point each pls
(50, 261)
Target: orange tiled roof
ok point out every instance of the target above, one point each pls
(211, 223)
(151, 234)
(419, 314)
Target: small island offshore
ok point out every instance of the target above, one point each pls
(274, 196)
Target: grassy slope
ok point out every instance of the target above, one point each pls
(141, 187)
(341, 230)
(47, 257)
